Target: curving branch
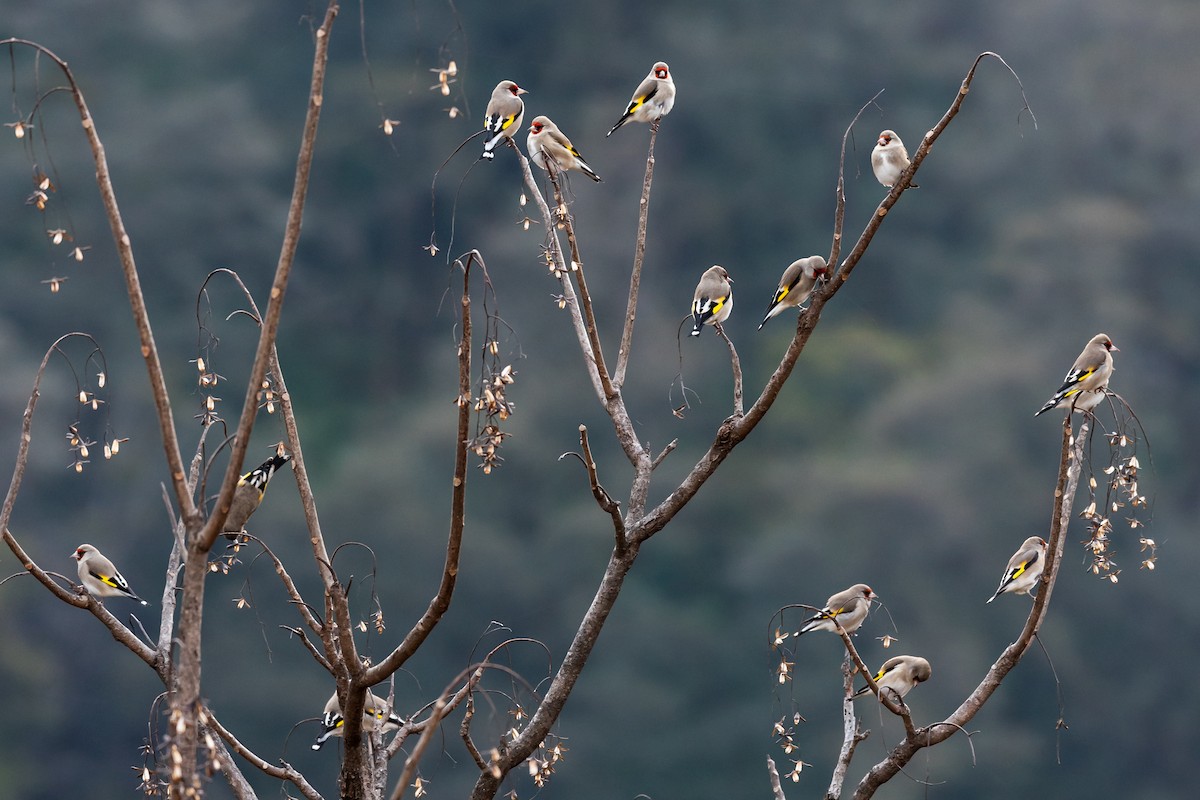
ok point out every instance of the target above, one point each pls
(1070, 467)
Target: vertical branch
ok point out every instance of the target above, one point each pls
(850, 734)
(773, 774)
(441, 602)
(584, 296)
(639, 255)
(736, 363)
(283, 269)
(185, 699)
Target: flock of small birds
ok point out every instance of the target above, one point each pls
(1083, 388)
(712, 302)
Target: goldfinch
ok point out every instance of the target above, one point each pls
(653, 100)
(889, 159)
(1024, 568)
(248, 494)
(1087, 379)
(849, 608)
(99, 576)
(898, 676)
(375, 713)
(713, 301)
(546, 140)
(503, 116)
(796, 285)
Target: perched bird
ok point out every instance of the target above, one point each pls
(713, 300)
(375, 712)
(1024, 568)
(99, 576)
(796, 285)
(899, 675)
(545, 139)
(889, 159)
(248, 494)
(653, 100)
(1087, 379)
(849, 608)
(503, 117)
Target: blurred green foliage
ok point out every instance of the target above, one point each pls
(902, 453)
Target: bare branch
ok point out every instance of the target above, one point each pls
(284, 771)
(1070, 467)
(441, 602)
(603, 498)
(283, 269)
(555, 254)
(736, 363)
(851, 735)
(639, 255)
(773, 774)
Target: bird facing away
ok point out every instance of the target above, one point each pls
(375, 713)
(849, 608)
(546, 140)
(1024, 568)
(713, 301)
(889, 159)
(503, 117)
(99, 576)
(898, 676)
(653, 100)
(796, 285)
(1087, 379)
(248, 494)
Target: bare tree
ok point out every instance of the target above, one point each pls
(196, 744)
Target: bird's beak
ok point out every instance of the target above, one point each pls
(1115, 349)
(522, 91)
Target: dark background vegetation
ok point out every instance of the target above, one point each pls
(903, 452)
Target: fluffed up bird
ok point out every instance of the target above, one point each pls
(849, 608)
(248, 495)
(653, 100)
(375, 713)
(1024, 568)
(1087, 379)
(796, 285)
(545, 139)
(889, 159)
(713, 301)
(99, 576)
(898, 676)
(503, 116)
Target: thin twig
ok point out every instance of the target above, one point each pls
(639, 256)
(602, 497)
(736, 363)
